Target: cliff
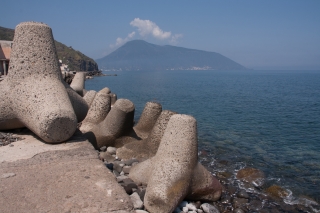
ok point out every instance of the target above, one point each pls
(74, 59)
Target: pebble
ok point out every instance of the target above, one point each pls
(136, 201)
(208, 208)
(8, 138)
(238, 210)
(111, 150)
(242, 194)
(103, 149)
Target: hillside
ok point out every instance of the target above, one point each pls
(141, 55)
(73, 58)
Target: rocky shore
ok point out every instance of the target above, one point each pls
(152, 165)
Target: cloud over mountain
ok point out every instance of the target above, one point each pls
(147, 28)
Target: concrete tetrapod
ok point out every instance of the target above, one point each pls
(79, 105)
(77, 83)
(89, 97)
(98, 110)
(113, 98)
(142, 149)
(33, 93)
(147, 119)
(117, 123)
(173, 165)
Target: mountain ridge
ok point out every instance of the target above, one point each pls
(141, 55)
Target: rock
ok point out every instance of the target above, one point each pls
(130, 162)
(147, 119)
(204, 186)
(251, 175)
(142, 149)
(48, 111)
(98, 111)
(197, 204)
(126, 169)
(243, 194)
(141, 193)
(200, 211)
(208, 208)
(238, 210)
(183, 204)
(137, 203)
(103, 149)
(89, 97)
(116, 173)
(191, 207)
(239, 202)
(141, 211)
(121, 178)
(117, 166)
(106, 156)
(111, 150)
(185, 209)
(128, 187)
(174, 163)
(77, 83)
(109, 166)
(277, 191)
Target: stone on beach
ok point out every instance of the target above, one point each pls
(173, 165)
(251, 175)
(33, 93)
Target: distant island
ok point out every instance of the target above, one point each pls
(75, 60)
(141, 55)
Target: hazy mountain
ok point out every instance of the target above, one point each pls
(141, 55)
(74, 59)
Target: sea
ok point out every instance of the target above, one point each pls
(269, 120)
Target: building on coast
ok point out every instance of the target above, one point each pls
(5, 51)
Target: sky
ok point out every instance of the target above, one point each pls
(258, 34)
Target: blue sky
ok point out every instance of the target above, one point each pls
(270, 34)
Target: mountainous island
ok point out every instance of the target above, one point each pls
(75, 60)
(141, 55)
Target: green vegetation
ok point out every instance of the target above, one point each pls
(74, 59)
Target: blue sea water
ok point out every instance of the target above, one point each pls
(268, 120)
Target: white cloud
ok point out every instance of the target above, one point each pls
(120, 41)
(147, 27)
(175, 37)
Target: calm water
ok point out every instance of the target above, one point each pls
(269, 120)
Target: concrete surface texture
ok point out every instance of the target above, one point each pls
(117, 123)
(79, 105)
(146, 148)
(173, 165)
(89, 97)
(33, 94)
(148, 118)
(98, 110)
(77, 83)
(113, 98)
(68, 177)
